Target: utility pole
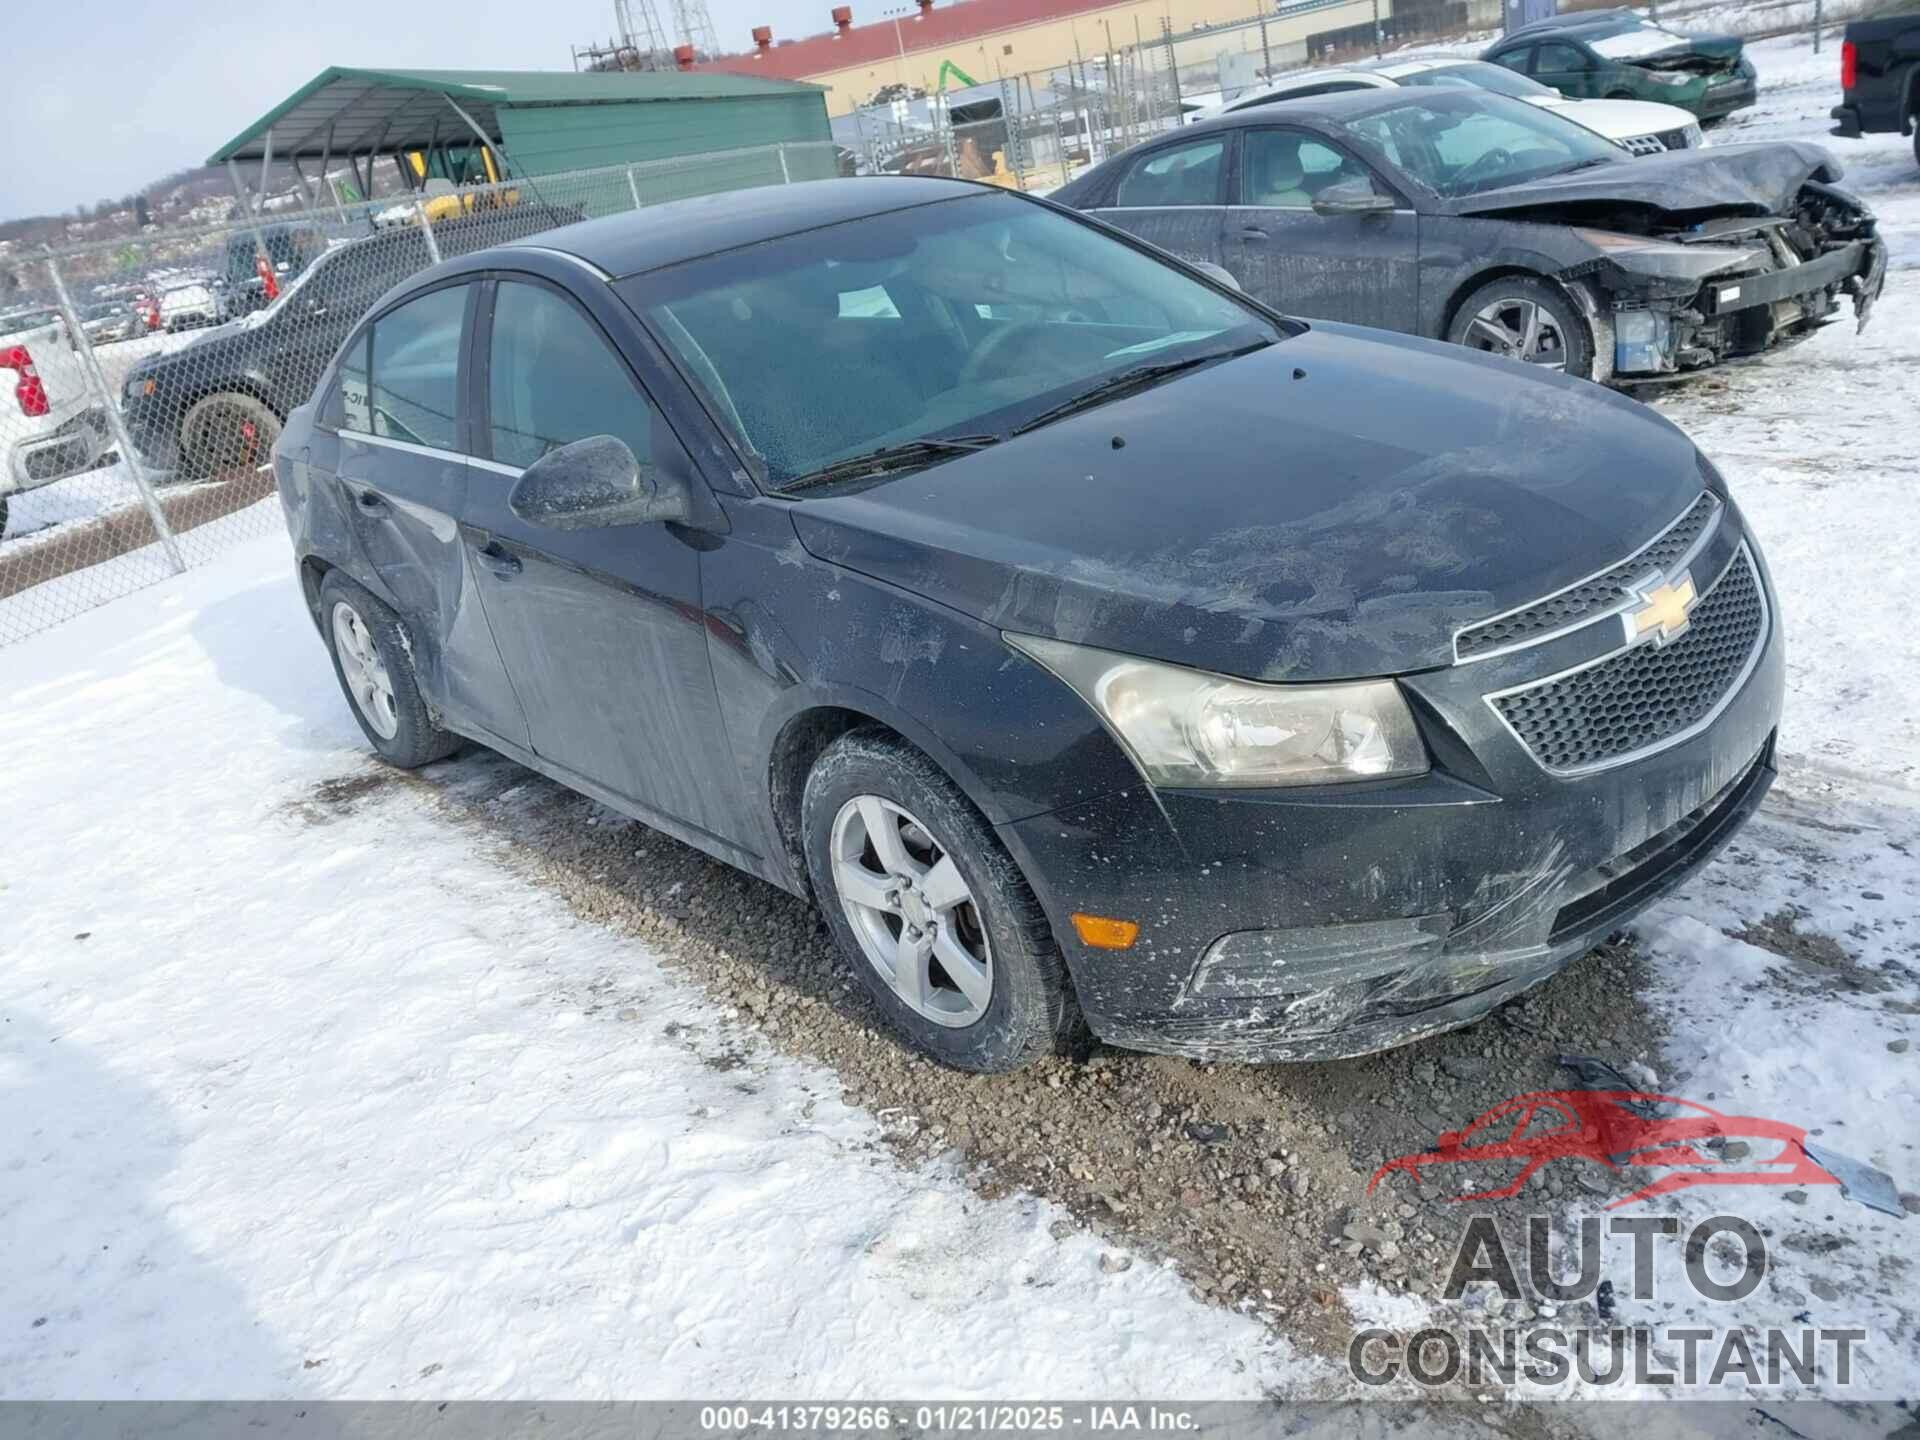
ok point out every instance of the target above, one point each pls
(1173, 66)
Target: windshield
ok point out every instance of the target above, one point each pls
(1472, 141)
(964, 317)
(1478, 75)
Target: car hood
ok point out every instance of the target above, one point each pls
(1726, 179)
(1650, 45)
(1618, 119)
(1333, 506)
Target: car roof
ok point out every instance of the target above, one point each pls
(1423, 64)
(666, 234)
(1585, 22)
(1301, 79)
(1341, 106)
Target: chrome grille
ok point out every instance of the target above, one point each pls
(1650, 695)
(1592, 597)
(1645, 144)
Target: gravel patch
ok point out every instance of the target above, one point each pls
(1250, 1179)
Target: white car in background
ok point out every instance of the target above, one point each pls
(189, 306)
(1641, 126)
(50, 424)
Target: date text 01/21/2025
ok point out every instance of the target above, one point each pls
(828, 1418)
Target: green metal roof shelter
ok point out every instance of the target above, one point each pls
(538, 122)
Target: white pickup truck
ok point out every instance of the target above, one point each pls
(51, 422)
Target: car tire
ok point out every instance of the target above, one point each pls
(373, 661)
(869, 782)
(223, 431)
(1502, 307)
(3, 516)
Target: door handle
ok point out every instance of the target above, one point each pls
(1252, 232)
(370, 503)
(495, 558)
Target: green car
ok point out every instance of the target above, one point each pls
(1614, 55)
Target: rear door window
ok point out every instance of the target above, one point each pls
(1179, 175)
(552, 378)
(1557, 59)
(413, 389)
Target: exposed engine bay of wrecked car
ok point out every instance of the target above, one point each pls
(1759, 256)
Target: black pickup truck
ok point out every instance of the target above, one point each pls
(1880, 73)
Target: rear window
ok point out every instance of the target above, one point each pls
(1181, 175)
(1479, 76)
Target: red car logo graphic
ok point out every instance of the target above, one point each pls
(1612, 1128)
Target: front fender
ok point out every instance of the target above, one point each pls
(794, 635)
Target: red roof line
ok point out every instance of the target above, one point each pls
(874, 43)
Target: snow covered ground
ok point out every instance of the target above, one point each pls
(311, 1091)
(312, 1095)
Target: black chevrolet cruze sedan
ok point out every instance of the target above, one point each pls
(1086, 639)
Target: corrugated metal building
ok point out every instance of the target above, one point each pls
(958, 43)
(538, 121)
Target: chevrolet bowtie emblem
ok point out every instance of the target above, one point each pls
(1662, 611)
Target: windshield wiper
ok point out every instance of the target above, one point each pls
(1138, 377)
(891, 459)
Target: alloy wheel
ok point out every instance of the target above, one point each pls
(1520, 330)
(912, 911)
(365, 672)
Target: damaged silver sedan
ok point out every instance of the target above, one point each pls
(1470, 217)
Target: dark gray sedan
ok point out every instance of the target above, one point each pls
(1471, 217)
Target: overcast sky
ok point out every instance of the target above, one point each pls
(105, 96)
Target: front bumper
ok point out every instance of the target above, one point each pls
(1745, 314)
(1315, 924)
(1724, 96)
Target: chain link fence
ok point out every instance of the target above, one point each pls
(1038, 129)
(144, 380)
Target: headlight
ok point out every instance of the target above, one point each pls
(1669, 77)
(1193, 728)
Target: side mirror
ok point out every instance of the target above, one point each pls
(1351, 197)
(1217, 273)
(594, 483)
